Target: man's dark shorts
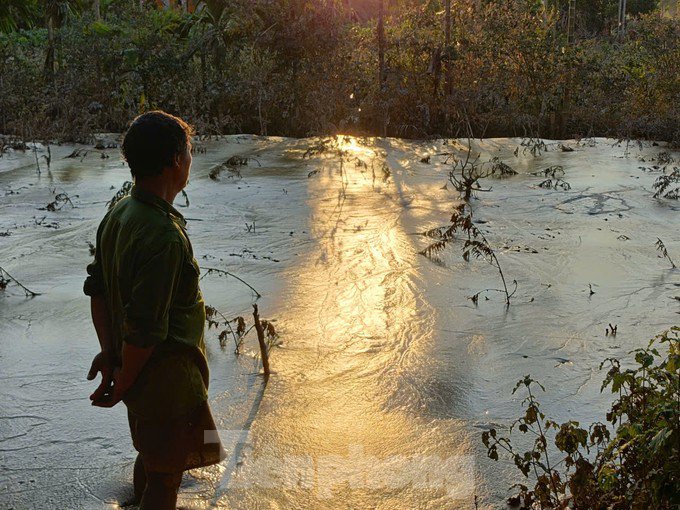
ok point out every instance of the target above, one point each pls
(179, 444)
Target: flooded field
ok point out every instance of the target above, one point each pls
(387, 373)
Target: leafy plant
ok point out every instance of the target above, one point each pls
(60, 200)
(668, 185)
(476, 245)
(634, 462)
(267, 335)
(120, 194)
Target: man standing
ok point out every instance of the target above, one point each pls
(149, 314)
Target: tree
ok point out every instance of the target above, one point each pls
(17, 13)
(381, 57)
(447, 45)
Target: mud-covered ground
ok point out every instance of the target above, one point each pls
(387, 373)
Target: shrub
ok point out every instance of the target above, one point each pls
(633, 462)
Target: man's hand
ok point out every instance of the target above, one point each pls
(114, 392)
(134, 358)
(102, 363)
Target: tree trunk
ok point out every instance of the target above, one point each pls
(381, 45)
(447, 45)
(96, 9)
(381, 65)
(49, 57)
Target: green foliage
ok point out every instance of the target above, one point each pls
(634, 462)
(303, 67)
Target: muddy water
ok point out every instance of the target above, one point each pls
(386, 373)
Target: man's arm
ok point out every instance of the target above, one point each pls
(102, 322)
(146, 315)
(104, 361)
(95, 288)
(134, 359)
(113, 386)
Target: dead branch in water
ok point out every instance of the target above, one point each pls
(260, 339)
(210, 270)
(661, 248)
(5, 278)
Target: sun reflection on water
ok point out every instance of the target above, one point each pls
(356, 321)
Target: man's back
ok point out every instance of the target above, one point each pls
(149, 315)
(144, 266)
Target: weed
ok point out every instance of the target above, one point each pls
(668, 185)
(60, 200)
(476, 245)
(633, 466)
(120, 194)
(555, 184)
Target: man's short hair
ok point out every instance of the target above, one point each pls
(152, 141)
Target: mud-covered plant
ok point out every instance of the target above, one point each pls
(232, 167)
(475, 245)
(555, 184)
(555, 172)
(219, 321)
(238, 329)
(326, 145)
(668, 185)
(60, 200)
(6, 279)
(500, 169)
(466, 173)
(532, 145)
(633, 462)
(663, 252)
(122, 192)
(664, 158)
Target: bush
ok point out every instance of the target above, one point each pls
(303, 67)
(634, 462)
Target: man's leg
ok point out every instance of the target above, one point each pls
(161, 491)
(139, 478)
